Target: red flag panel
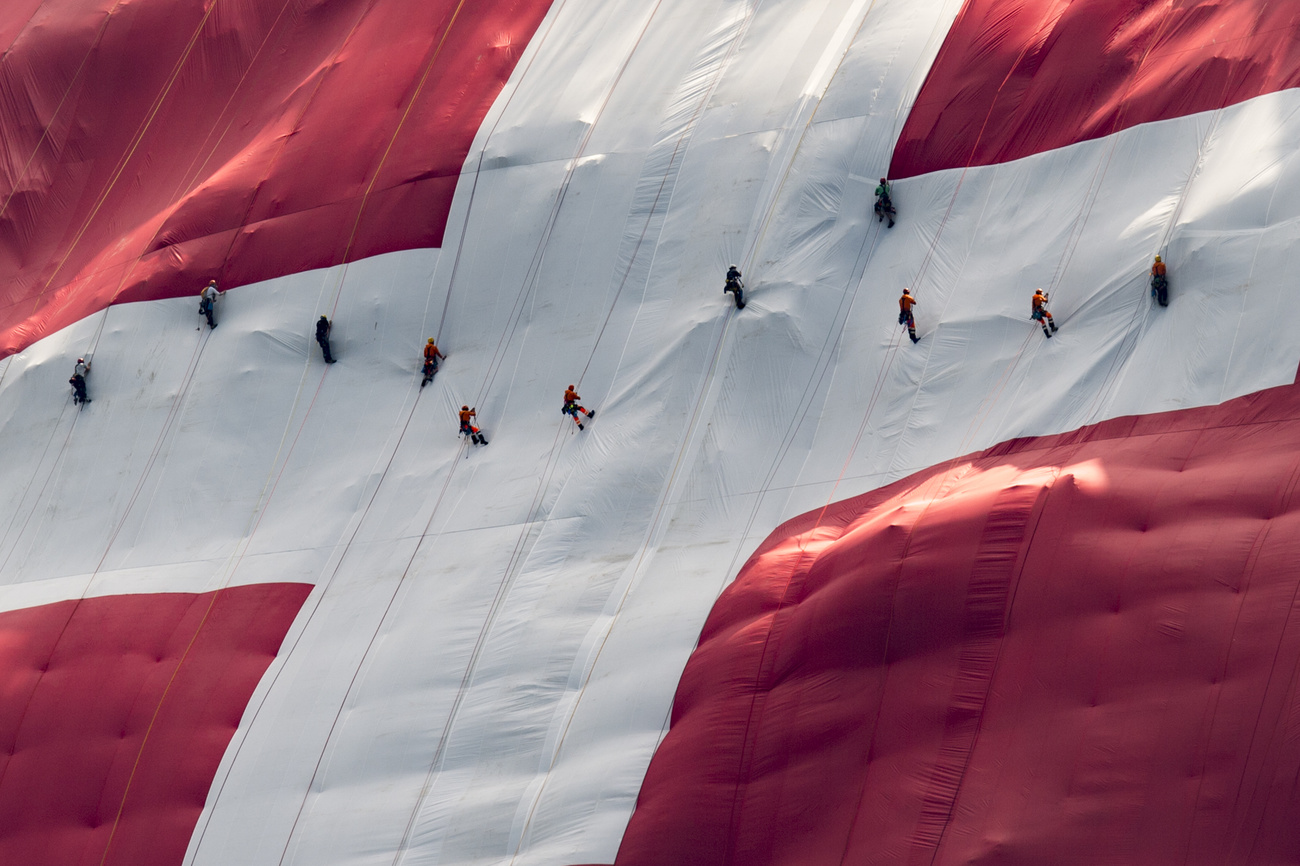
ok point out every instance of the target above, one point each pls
(1075, 649)
(1019, 77)
(116, 712)
(150, 146)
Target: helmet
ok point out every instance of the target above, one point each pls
(323, 319)
(731, 266)
(81, 360)
(570, 387)
(464, 408)
(882, 180)
(1157, 258)
(906, 292)
(431, 339)
(212, 282)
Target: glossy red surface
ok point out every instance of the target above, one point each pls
(1083, 648)
(116, 712)
(152, 145)
(1019, 77)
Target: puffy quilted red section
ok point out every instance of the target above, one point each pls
(1076, 649)
(115, 713)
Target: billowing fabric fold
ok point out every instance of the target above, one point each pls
(1019, 77)
(151, 146)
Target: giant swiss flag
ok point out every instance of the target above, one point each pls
(1038, 607)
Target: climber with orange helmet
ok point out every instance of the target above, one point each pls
(1159, 283)
(431, 356)
(1040, 314)
(905, 317)
(467, 427)
(571, 406)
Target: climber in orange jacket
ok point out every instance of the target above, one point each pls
(571, 406)
(1039, 313)
(431, 356)
(467, 427)
(905, 317)
(1159, 283)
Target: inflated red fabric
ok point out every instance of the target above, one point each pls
(116, 711)
(1077, 649)
(149, 146)
(1018, 77)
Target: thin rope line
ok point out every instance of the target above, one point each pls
(478, 169)
(392, 140)
(76, 76)
(144, 741)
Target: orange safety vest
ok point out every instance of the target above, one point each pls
(1158, 269)
(430, 351)
(571, 396)
(466, 414)
(1039, 300)
(906, 302)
